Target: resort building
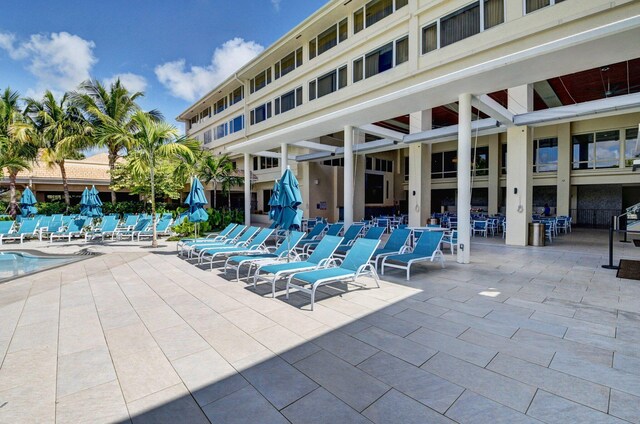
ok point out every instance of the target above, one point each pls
(377, 106)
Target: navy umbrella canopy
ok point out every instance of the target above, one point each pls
(290, 198)
(27, 202)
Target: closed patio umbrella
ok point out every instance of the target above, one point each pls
(196, 201)
(96, 209)
(289, 217)
(274, 202)
(27, 202)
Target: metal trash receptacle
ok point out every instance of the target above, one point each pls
(537, 234)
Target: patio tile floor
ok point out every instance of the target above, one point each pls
(521, 335)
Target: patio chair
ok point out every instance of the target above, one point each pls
(314, 234)
(129, 223)
(480, 227)
(75, 228)
(281, 252)
(348, 237)
(209, 237)
(163, 228)
(395, 245)
(451, 238)
(426, 249)
(333, 230)
(188, 245)
(141, 225)
(319, 258)
(355, 264)
(6, 227)
(374, 233)
(49, 225)
(256, 245)
(107, 226)
(242, 241)
(28, 228)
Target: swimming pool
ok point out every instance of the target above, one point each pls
(17, 264)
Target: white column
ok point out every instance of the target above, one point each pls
(247, 189)
(419, 171)
(494, 173)
(464, 178)
(348, 176)
(519, 169)
(284, 157)
(564, 169)
(358, 181)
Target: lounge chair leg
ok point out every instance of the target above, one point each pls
(313, 295)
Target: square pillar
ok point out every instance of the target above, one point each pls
(284, 157)
(247, 189)
(358, 181)
(564, 170)
(494, 173)
(419, 171)
(464, 179)
(519, 169)
(348, 176)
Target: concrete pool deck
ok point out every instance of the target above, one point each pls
(140, 335)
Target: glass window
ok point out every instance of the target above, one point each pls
(608, 149)
(481, 157)
(236, 96)
(327, 40)
(631, 146)
(401, 3)
(327, 84)
(342, 77)
(532, 5)
(357, 70)
(299, 57)
(261, 113)
(430, 38)
(503, 165)
(276, 70)
(545, 155)
(298, 96)
(450, 164)
(402, 50)
(312, 49)
(358, 21)
(460, 25)
(220, 131)
(260, 80)
(377, 10)
(406, 168)
(493, 13)
(582, 151)
(236, 124)
(436, 165)
(312, 90)
(288, 64)
(379, 60)
(343, 31)
(255, 163)
(207, 136)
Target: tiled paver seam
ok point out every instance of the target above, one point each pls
(17, 322)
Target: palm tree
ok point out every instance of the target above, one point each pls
(219, 170)
(62, 130)
(17, 149)
(112, 107)
(151, 142)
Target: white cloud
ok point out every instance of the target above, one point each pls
(131, 82)
(190, 84)
(276, 4)
(59, 61)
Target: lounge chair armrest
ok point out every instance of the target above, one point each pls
(333, 262)
(301, 256)
(405, 249)
(270, 249)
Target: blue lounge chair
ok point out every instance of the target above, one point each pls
(107, 226)
(355, 264)
(315, 233)
(349, 237)
(241, 241)
(141, 225)
(426, 249)
(333, 230)
(188, 246)
(6, 227)
(319, 258)
(374, 233)
(48, 225)
(129, 223)
(256, 245)
(163, 228)
(28, 228)
(395, 245)
(75, 228)
(451, 238)
(283, 251)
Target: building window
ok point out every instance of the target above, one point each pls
(375, 164)
(481, 159)
(288, 63)
(402, 50)
(334, 162)
(264, 163)
(260, 81)
(220, 105)
(236, 96)
(261, 113)
(631, 146)
(207, 136)
(358, 21)
(358, 69)
(375, 11)
(288, 101)
(533, 5)
(220, 131)
(406, 168)
(462, 23)
(545, 155)
(328, 83)
(205, 114)
(328, 39)
(312, 49)
(599, 150)
(503, 164)
(378, 61)
(444, 165)
(236, 124)
(343, 32)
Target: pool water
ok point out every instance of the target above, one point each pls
(16, 264)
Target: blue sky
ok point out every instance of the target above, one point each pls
(174, 51)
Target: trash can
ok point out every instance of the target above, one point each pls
(434, 221)
(537, 234)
